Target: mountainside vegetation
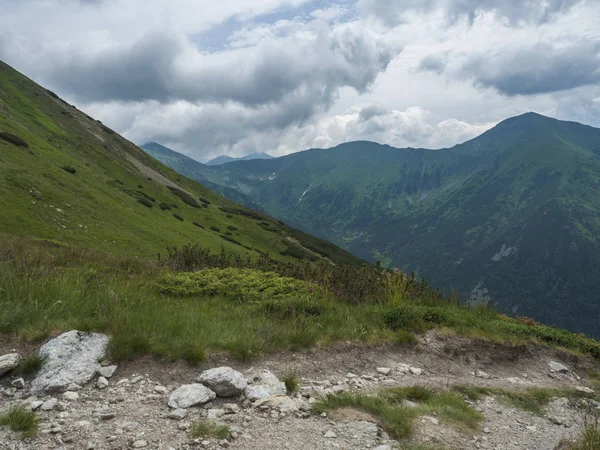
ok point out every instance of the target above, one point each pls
(67, 179)
(509, 218)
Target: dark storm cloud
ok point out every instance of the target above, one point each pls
(536, 69)
(167, 68)
(391, 12)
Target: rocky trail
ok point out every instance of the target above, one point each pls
(86, 404)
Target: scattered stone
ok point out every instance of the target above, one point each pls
(384, 370)
(191, 395)
(223, 381)
(556, 367)
(102, 383)
(214, 413)
(139, 444)
(330, 435)
(107, 372)
(383, 447)
(107, 416)
(49, 404)
(70, 396)
(231, 408)
(160, 389)
(61, 406)
(178, 414)
(431, 419)
(403, 368)
(19, 383)
(71, 357)
(8, 362)
(415, 371)
(36, 404)
(265, 385)
(586, 391)
(73, 387)
(556, 420)
(481, 374)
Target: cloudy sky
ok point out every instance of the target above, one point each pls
(236, 76)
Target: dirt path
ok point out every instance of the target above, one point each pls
(134, 413)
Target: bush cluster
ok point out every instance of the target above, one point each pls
(185, 197)
(238, 284)
(13, 139)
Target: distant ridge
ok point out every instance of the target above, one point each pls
(223, 159)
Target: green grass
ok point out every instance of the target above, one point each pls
(206, 429)
(291, 381)
(530, 399)
(21, 420)
(30, 365)
(395, 418)
(48, 287)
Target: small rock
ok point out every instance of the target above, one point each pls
(481, 374)
(107, 371)
(214, 413)
(160, 389)
(556, 420)
(49, 405)
(70, 396)
(19, 383)
(231, 408)
(102, 383)
(383, 447)
(61, 406)
(556, 367)
(178, 414)
(486, 430)
(73, 387)
(330, 435)
(139, 444)
(123, 381)
(107, 416)
(433, 420)
(36, 404)
(190, 395)
(8, 362)
(265, 384)
(416, 371)
(223, 381)
(586, 391)
(384, 370)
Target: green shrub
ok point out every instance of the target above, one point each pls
(185, 197)
(198, 225)
(239, 284)
(203, 200)
(106, 129)
(243, 212)
(69, 169)
(206, 429)
(289, 309)
(296, 251)
(204, 205)
(30, 365)
(13, 139)
(217, 229)
(146, 196)
(164, 206)
(52, 94)
(120, 182)
(230, 239)
(21, 420)
(232, 228)
(402, 318)
(144, 201)
(178, 217)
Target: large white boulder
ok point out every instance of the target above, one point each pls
(69, 358)
(190, 395)
(265, 384)
(8, 362)
(224, 381)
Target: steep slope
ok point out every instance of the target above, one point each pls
(68, 178)
(511, 217)
(225, 159)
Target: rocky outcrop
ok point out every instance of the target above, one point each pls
(224, 381)
(71, 358)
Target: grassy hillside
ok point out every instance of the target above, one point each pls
(510, 217)
(67, 178)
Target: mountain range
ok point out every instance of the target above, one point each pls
(69, 180)
(510, 218)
